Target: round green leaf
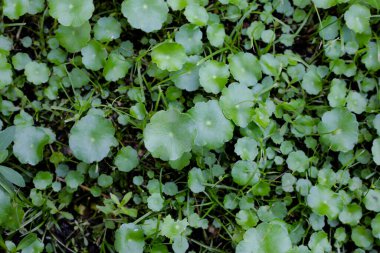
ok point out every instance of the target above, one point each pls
(14, 9)
(213, 76)
(169, 134)
(356, 102)
(36, 6)
(126, 159)
(246, 148)
(246, 219)
(181, 162)
(116, 67)
(147, 15)
(71, 12)
(74, 179)
(20, 60)
(91, 138)
(94, 55)
(79, 78)
(324, 201)
(37, 73)
(107, 29)
(105, 181)
(169, 56)
(171, 228)
(270, 65)
(298, 161)
(370, 58)
(180, 244)
(196, 180)
(177, 5)
(129, 238)
(245, 173)
(42, 180)
(319, 242)
(268, 36)
(357, 18)
(188, 77)
(312, 82)
(338, 130)
(362, 237)
(325, 4)
(245, 68)
(213, 129)
(196, 14)
(190, 37)
(265, 238)
(155, 202)
(29, 144)
(73, 39)
(329, 28)
(216, 34)
(351, 214)
(237, 104)
(337, 95)
(255, 29)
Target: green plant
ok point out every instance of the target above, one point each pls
(189, 126)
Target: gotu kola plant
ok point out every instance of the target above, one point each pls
(189, 126)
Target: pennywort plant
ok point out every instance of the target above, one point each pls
(189, 126)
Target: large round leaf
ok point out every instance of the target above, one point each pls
(265, 238)
(213, 129)
(190, 37)
(73, 39)
(213, 76)
(237, 104)
(169, 134)
(324, 201)
(13, 9)
(169, 56)
(107, 29)
(312, 81)
(37, 73)
(339, 130)
(246, 148)
(29, 143)
(357, 18)
(245, 68)
(245, 173)
(71, 12)
(129, 238)
(188, 77)
(116, 67)
(94, 55)
(126, 159)
(147, 15)
(91, 138)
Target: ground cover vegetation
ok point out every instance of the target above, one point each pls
(179, 126)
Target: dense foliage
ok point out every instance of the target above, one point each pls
(179, 126)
